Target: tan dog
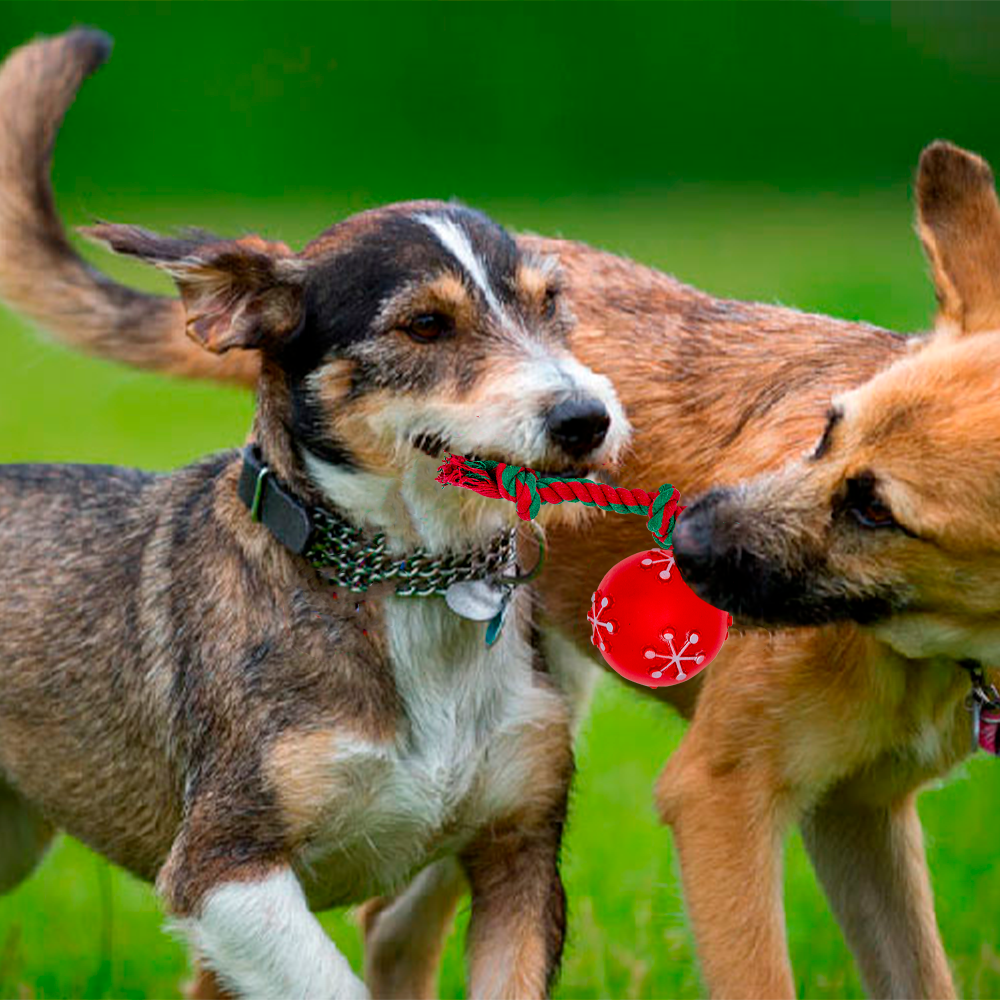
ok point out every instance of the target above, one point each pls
(834, 726)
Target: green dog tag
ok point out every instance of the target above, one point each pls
(496, 622)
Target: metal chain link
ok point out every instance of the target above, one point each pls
(349, 560)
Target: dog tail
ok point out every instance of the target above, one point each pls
(41, 275)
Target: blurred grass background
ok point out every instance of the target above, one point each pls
(756, 150)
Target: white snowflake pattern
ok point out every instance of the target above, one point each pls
(595, 619)
(676, 657)
(667, 562)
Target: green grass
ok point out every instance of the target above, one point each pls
(78, 928)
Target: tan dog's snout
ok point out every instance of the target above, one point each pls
(720, 557)
(762, 552)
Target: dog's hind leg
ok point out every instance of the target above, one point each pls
(870, 860)
(24, 838)
(405, 934)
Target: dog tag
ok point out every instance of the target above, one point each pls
(476, 600)
(496, 622)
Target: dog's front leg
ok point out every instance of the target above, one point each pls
(728, 829)
(518, 921)
(253, 929)
(870, 860)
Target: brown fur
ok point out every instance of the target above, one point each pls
(298, 768)
(917, 440)
(827, 725)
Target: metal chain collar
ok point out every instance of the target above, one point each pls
(347, 559)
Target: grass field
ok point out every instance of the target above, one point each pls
(78, 928)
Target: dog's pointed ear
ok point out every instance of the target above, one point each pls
(958, 219)
(244, 293)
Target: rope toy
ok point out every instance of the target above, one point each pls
(662, 633)
(528, 491)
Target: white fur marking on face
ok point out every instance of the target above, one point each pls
(262, 941)
(535, 382)
(456, 241)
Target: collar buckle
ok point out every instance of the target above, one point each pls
(272, 505)
(258, 493)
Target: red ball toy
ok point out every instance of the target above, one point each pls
(650, 626)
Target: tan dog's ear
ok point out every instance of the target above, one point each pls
(958, 219)
(243, 293)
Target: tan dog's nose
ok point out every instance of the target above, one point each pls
(693, 541)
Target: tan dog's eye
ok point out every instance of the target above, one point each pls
(865, 507)
(874, 514)
(429, 326)
(550, 302)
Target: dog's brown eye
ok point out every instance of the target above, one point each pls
(429, 326)
(874, 514)
(550, 302)
(864, 506)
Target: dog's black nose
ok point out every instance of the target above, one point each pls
(693, 541)
(578, 426)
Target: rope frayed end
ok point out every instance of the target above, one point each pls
(494, 480)
(469, 474)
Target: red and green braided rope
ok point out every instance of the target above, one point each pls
(528, 491)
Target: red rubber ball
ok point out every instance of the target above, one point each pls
(650, 626)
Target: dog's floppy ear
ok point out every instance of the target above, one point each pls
(244, 293)
(958, 219)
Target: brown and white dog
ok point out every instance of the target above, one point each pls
(833, 725)
(183, 690)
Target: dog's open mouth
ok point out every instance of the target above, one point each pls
(435, 446)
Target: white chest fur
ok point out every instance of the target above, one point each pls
(462, 754)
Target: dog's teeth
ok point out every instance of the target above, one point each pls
(429, 444)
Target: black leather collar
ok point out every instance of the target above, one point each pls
(270, 503)
(347, 557)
